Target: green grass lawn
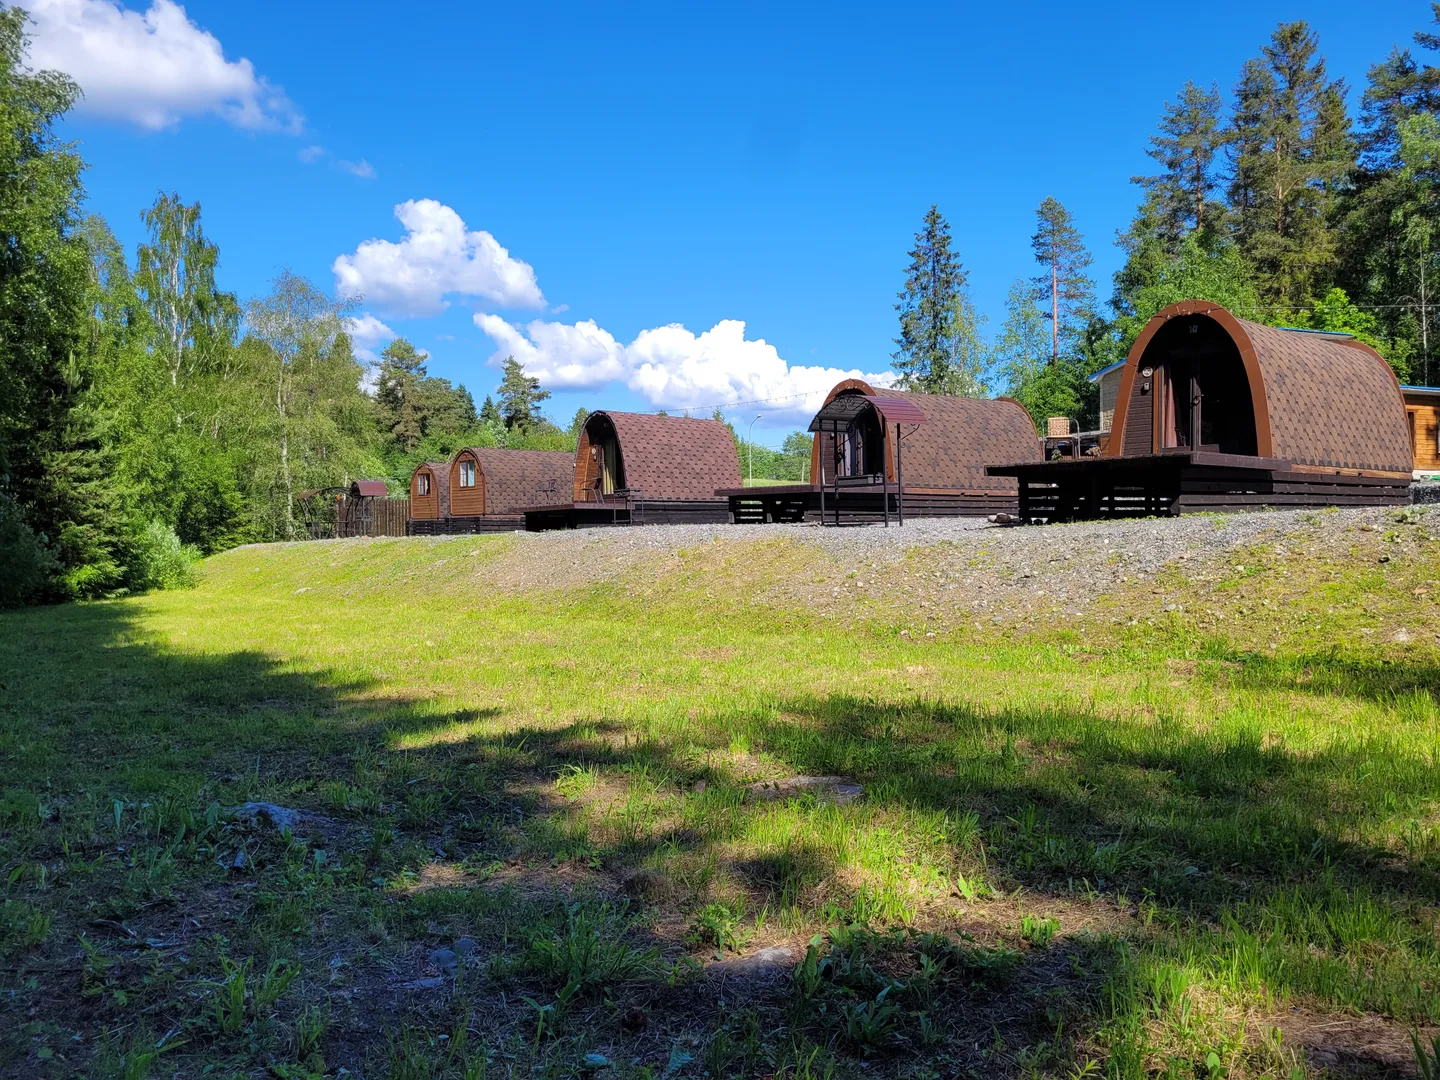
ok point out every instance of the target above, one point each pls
(1127, 844)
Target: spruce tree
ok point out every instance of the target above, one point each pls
(520, 397)
(1291, 153)
(398, 394)
(938, 350)
(1070, 294)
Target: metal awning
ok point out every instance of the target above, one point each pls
(368, 489)
(846, 407)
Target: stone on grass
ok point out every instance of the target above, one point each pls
(647, 884)
(445, 960)
(592, 1062)
(836, 789)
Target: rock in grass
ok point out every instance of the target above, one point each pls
(767, 963)
(836, 789)
(445, 960)
(593, 1062)
(647, 884)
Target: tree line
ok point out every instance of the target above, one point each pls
(1272, 201)
(148, 416)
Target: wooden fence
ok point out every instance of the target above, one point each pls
(371, 517)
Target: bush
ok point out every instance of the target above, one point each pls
(160, 561)
(30, 565)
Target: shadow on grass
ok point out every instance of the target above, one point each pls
(1239, 845)
(1412, 684)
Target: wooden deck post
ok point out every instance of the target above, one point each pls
(899, 477)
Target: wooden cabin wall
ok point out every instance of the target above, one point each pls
(424, 507)
(466, 502)
(1425, 434)
(1139, 434)
(587, 469)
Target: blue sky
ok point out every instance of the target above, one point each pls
(643, 166)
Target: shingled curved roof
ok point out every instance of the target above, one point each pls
(960, 437)
(1320, 400)
(517, 478)
(669, 457)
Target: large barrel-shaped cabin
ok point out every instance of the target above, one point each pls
(485, 489)
(639, 469)
(1218, 413)
(879, 454)
(429, 498)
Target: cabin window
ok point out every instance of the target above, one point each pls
(467, 473)
(422, 484)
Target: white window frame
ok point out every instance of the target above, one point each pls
(467, 473)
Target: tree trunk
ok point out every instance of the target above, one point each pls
(1054, 311)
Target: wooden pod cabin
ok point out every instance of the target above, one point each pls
(429, 498)
(936, 467)
(486, 488)
(638, 469)
(1217, 413)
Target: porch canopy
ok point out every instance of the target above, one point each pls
(840, 412)
(846, 407)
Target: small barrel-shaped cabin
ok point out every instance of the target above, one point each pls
(639, 469)
(1218, 413)
(862, 470)
(488, 489)
(430, 491)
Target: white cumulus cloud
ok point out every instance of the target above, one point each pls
(366, 334)
(669, 366)
(153, 68)
(438, 258)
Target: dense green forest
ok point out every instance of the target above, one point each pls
(148, 416)
(1274, 202)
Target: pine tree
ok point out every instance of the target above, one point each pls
(939, 349)
(1190, 140)
(1059, 247)
(1291, 153)
(520, 397)
(490, 413)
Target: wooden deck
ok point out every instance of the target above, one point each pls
(1182, 482)
(857, 504)
(590, 515)
(465, 526)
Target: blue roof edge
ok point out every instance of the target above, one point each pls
(1106, 371)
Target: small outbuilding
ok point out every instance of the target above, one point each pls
(429, 497)
(1422, 412)
(1217, 413)
(879, 453)
(639, 469)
